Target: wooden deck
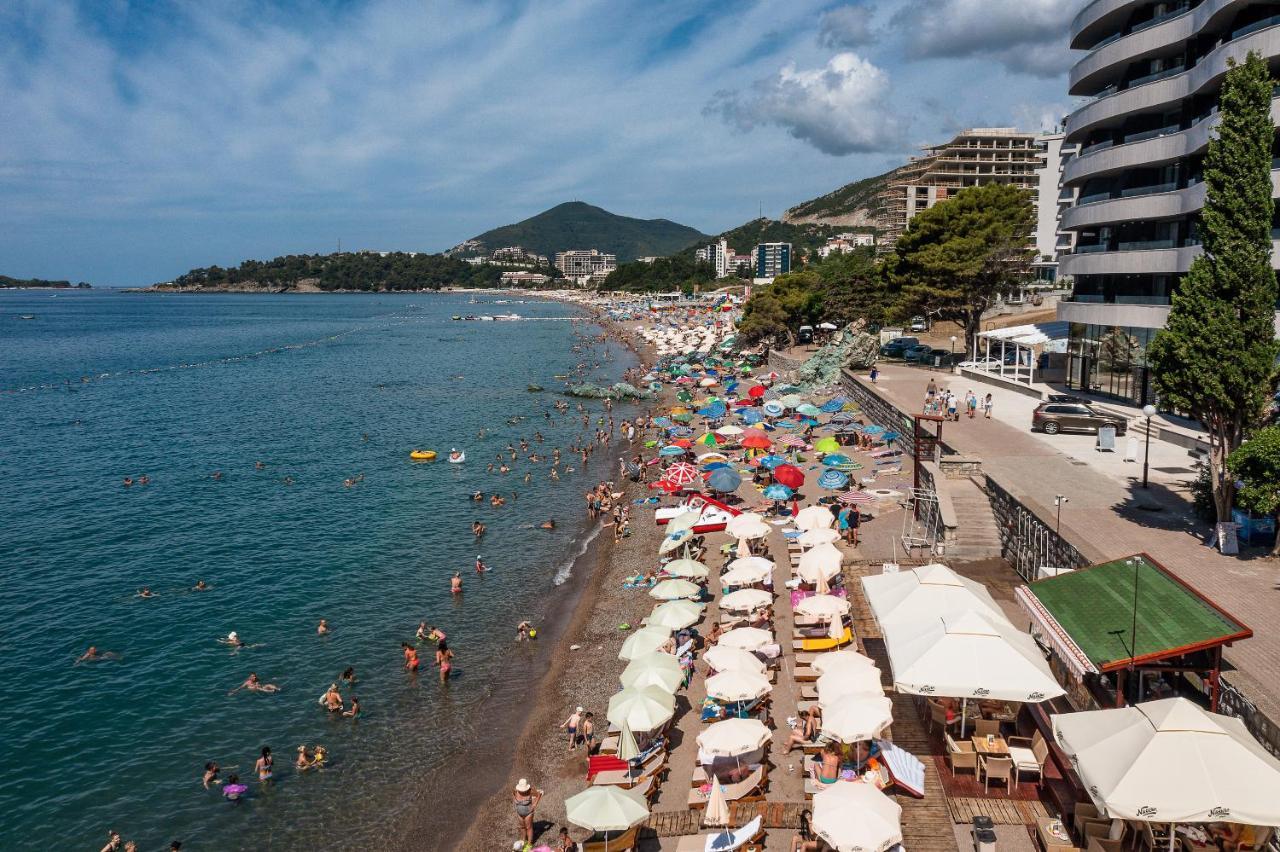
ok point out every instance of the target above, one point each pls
(1001, 811)
(775, 815)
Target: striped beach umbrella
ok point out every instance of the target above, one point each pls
(773, 408)
(833, 405)
(833, 479)
(808, 410)
(855, 498)
(682, 473)
(792, 441)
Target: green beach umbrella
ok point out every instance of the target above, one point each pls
(683, 417)
(826, 445)
(684, 396)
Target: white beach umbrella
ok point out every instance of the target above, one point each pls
(969, 655)
(835, 661)
(747, 526)
(690, 569)
(606, 807)
(676, 614)
(717, 812)
(857, 818)
(673, 542)
(747, 571)
(683, 521)
(746, 638)
(732, 737)
(851, 681)
(856, 718)
(646, 640)
(656, 669)
(746, 600)
(818, 535)
(673, 590)
(757, 563)
(928, 592)
(1172, 761)
(723, 659)
(642, 709)
(628, 749)
(823, 606)
(821, 561)
(814, 518)
(738, 685)
(729, 431)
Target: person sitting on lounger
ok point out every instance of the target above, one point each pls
(829, 769)
(805, 840)
(807, 730)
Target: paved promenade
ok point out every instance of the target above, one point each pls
(1102, 517)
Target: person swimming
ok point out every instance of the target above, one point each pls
(353, 712)
(332, 699)
(480, 566)
(200, 586)
(253, 684)
(322, 628)
(264, 765)
(477, 528)
(548, 524)
(93, 655)
(145, 592)
(477, 496)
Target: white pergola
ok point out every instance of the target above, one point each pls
(1020, 338)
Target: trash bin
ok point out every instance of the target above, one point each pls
(984, 834)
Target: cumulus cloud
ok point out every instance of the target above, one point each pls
(840, 108)
(847, 26)
(1026, 36)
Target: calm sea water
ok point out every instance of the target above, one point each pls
(100, 386)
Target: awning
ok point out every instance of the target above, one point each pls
(1033, 334)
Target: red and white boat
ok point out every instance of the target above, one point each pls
(715, 515)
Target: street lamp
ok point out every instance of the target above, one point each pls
(1148, 411)
(951, 361)
(1058, 500)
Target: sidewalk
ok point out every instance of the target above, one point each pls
(1102, 517)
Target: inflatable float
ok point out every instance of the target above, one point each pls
(457, 457)
(422, 455)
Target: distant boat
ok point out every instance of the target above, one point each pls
(508, 317)
(28, 316)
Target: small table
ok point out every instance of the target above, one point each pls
(998, 748)
(1051, 840)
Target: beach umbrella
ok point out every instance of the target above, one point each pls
(822, 562)
(733, 737)
(831, 406)
(646, 640)
(657, 669)
(671, 451)
(717, 812)
(729, 431)
(682, 443)
(709, 440)
(676, 614)
(770, 462)
(747, 600)
(754, 439)
(690, 569)
(748, 525)
(778, 492)
(851, 680)
(673, 542)
(836, 459)
(683, 417)
(793, 442)
(756, 391)
(628, 749)
(746, 638)
(857, 818)
(856, 718)
(607, 807)
(745, 576)
(672, 590)
(708, 458)
(873, 430)
(682, 522)
(724, 480)
(808, 410)
(737, 685)
(843, 417)
(814, 518)
(751, 416)
(664, 422)
(814, 537)
(827, 445)
(773, 408)
(855, 498)
(684, 396)
(845, 660)
(643, 709)
(833, 480)
(790, 400)
(707, 382)
(723, 659)
(823, 606)
(682, 473)
(788, 475)
(925, 593)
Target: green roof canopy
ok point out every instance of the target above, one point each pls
(1090, 613)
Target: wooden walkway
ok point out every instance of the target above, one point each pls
(1001, 811)
(773, 814)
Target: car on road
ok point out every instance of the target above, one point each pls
(920, 353)
(1054, 417)
(894, 348)
(981, 364)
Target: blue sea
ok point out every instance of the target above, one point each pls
(100, 386)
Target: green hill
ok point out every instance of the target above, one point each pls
(576, 225)
(851, 205)
(358, 271)
(6, 283)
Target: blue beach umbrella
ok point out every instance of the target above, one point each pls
(808, 410)
(770, 462)
(716, 465)
(872, 430)
(724, 480)
(664, 422)
(833, 405)
(835, 460)
(682, 431)
(671, 451)
(778, 492)
(833, 479)
(752, 416)
(773, 408)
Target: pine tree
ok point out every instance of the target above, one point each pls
(1215, 359)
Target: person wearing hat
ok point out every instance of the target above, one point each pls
(571, 725)
(526, 799)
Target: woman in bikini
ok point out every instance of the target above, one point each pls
(444, 659)
(264, 764)
(410, 657)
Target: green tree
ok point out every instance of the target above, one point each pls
(852, 288)
(958, 258)
(1256, 464)
(776, 311)
(1215, 359)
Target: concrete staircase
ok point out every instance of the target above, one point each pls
(977, 536)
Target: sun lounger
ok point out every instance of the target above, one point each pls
(746, 790)
(632, 775)
(824, 643)
(723, 841)
(598, 763)
(903, 768)
(617, 842)
(805, 674)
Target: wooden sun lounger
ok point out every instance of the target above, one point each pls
(804, 674)
(633, 776)
(749, 789)
(748, 837)
(625, 842)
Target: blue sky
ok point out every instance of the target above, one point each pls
(144, 138)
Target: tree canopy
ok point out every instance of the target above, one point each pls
(664, 275)
(958, 258)
(1256, 464)
(840, 289)
(365, 271)
(1215, 358)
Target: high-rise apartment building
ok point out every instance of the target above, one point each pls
(717, 254)
(1153, 71)
(773, 259)
(580, 263)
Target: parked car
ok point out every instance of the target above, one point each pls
(920, 353)
(919, 323)
(1054, 417)
(981, 364)
(894, 348)
(805, 334)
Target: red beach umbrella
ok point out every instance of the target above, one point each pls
(683, 442)
(753, 439)
(756, 391)
(788, 475)
(681, 474)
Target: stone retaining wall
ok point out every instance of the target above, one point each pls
(1027, 542)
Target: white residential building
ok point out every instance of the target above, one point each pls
(717, 254)
(577, 263)
(845, 243)
(523, 279)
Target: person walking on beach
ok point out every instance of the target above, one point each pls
(987, 403)
(444, 659)
(971, 403)
(588, 731)
(571, 726)
(526, 799)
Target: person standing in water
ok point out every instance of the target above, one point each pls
(264, 764)
(410, 657)
(455, 585)
(444, 659)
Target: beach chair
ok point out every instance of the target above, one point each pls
(804, 674)
(1029, 756)
(622, 842)
(961, 755)
(995, 768)
(824, 643)
(901, 768)
(632, 775)
(749, 789)
(748, 838)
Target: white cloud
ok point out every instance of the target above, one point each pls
(847, 26)
(841, 108)
(1026, 36)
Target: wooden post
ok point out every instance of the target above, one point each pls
(1215, 684)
